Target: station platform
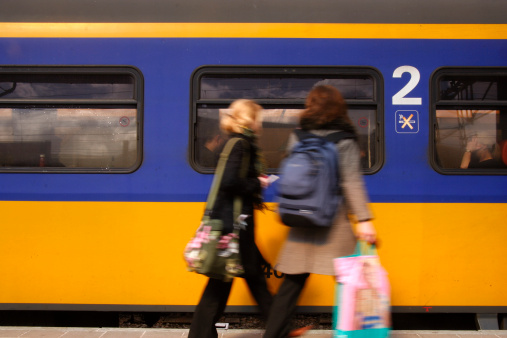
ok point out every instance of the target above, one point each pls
(61, 332)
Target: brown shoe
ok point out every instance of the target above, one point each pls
(299, 332)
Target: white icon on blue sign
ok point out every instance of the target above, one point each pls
(407, 121)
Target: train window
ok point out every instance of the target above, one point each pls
(282, 92)
(70, 119)
(470, 120)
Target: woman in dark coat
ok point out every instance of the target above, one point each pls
(311, 250)
(243, 120)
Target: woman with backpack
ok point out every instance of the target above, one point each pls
(312, 250)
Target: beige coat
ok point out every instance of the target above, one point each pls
(312, 250)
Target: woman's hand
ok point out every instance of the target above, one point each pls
(264, 181)
(366, 231)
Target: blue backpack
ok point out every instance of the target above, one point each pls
(308, 192)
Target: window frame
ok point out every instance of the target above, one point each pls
(377, 102)
(437, 104)
(137, 103)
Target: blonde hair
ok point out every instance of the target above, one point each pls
(241, 114)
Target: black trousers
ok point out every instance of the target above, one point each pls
(284, 306)
(214, 299)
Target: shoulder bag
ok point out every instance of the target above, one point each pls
(210, 252)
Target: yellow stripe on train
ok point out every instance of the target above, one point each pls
(252, 30)
(131, 253)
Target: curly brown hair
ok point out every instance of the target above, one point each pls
(324, 105)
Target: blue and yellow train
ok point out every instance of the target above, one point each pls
(105, 107)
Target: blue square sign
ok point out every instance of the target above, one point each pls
(407, 121)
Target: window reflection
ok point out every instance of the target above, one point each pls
(282, 93)
(249, 87)
(471, 88)
(71, 138)
(469, 139)
(67, 86)
(470, 120)
(75, 119)
(277, 125)
(365, 122)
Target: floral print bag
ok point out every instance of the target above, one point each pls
(210, 252)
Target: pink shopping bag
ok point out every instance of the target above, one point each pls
(362, 301)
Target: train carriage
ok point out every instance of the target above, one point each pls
(105, 105)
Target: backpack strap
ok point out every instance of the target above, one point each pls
(333, 137)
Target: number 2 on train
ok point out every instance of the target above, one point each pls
(400, 97)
